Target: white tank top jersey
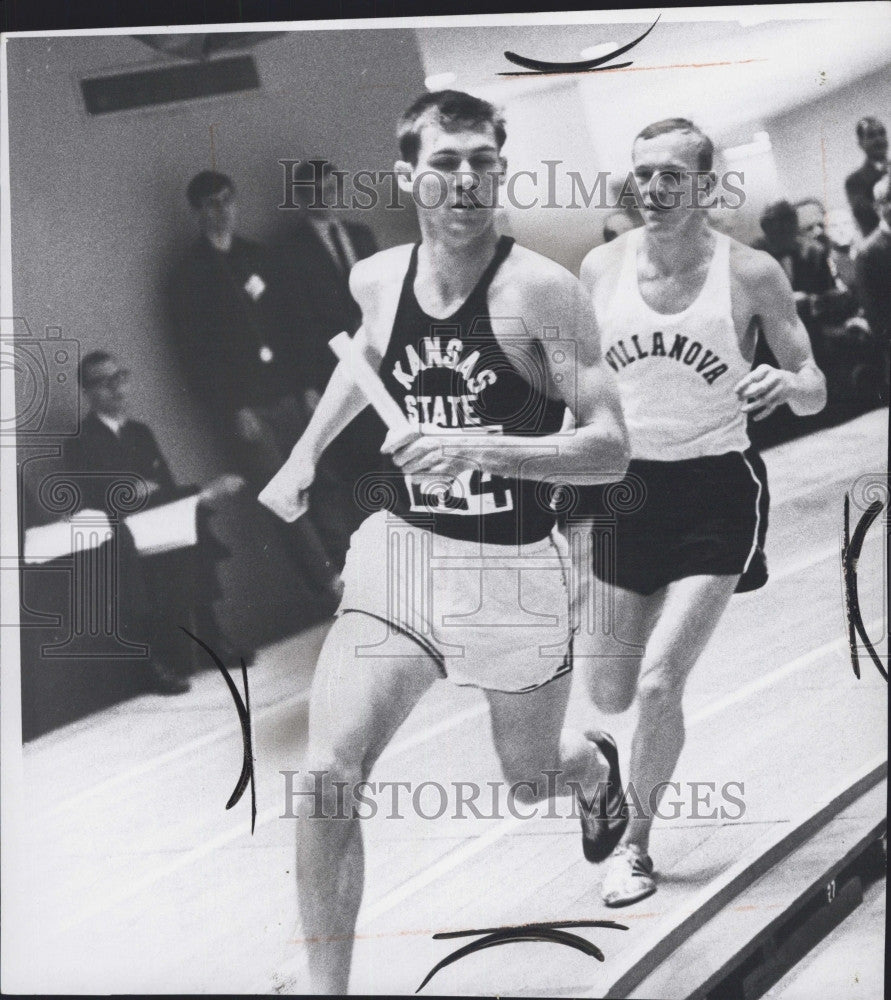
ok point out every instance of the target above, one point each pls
(676, 372)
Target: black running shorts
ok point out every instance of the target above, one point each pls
(669, 520)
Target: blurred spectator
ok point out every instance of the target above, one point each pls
(873, 140)
(855, 351)
(874, 268)
(317, 255)
(319, 252)
(812, 220)
(803, 260)
(166, 590)
(230, 319)
(826, 303)
(841, 236)
(617, 224)
(240, 351)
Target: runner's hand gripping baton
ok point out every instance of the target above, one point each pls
(288, 498)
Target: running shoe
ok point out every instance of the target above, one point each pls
(601, 832)
(628, 877)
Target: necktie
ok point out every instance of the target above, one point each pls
(339, 248)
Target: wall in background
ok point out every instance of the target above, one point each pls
(735, 72)
(815, 146)
(98, 206)
(98, 212)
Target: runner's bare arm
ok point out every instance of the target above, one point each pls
(798, 381)
(287, 492)
(342, 399)
(599, 444)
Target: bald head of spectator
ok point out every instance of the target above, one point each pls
(840, 228)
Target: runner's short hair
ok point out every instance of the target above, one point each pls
(705, 155)
(452, 110)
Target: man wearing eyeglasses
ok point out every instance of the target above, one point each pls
(873, 140)
(156, 593)
(109, 441)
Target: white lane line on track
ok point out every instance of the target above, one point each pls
(266, 816)
(468, 850)
(229, 729)
(455, 857)
(792, 569)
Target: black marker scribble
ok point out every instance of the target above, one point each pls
(495, 936)
(851, 550)
(244, 717)
(585, 66)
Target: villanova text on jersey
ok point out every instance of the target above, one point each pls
(684, 349)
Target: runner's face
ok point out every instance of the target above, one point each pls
(667, 174)
(455, 183)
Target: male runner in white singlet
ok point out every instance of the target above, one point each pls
(679, 306)
(486, 397)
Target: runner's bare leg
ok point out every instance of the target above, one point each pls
(527, 729)
(356, 705)
(690, 614)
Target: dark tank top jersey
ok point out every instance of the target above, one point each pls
(452, 375)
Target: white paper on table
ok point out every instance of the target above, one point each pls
(87, 529)
(166, 527)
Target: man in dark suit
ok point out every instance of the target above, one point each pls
(873, 139)
(234, 333)
(158, 592)
(317, 257)
(874, 284)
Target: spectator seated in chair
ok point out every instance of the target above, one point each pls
(176, 587)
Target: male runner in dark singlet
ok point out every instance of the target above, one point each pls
(486, 398)
(679, 306)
